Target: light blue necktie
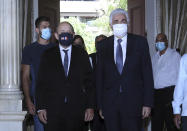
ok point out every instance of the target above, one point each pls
(119, 56)
(66, 62)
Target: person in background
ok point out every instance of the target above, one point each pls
(30, 64)
(165, 71)
(93, 59)
(98, 123)
(79, 41)
(65, 93)
(124, 80)
(178, 50)
(98, 39)
(180, 96)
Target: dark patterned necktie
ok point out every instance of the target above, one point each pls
(66, 62)
(119, 56)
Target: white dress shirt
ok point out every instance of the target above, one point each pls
(62, 53)
(165, 68)
(123, 45)
(91, 62)
(180, 92)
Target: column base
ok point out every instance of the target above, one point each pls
(10, 101)
(11, 114)
(12, 121)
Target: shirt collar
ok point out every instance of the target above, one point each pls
(62, 48)
(124, 39)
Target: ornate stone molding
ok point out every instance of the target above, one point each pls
(12, 116)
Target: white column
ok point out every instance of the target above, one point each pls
(151, 23)
(34, 17)
(11, 114)
(151, 28)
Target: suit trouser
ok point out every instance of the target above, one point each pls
(98, 123)
(184, 123)
(162, 114)
(65, 120)
(116, 119)
(64, 124)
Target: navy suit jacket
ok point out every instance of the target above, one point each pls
(136, 79)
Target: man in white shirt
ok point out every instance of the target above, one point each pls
(180, 96)
(165, 71)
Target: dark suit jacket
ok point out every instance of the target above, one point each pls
(136, 79)
(53, 88)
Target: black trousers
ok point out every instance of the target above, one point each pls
(184, 123)
(65, 119)
(162, 114)
(98, 123)
(117, 119)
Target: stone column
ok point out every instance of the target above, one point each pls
(11, 114)
(151, 28)
(151, 23)
(34, 17)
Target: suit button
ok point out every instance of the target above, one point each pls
(65, 99)
(67, 85)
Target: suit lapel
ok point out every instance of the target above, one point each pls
(111, 53)
(58, 60)
(129, 50)
(73, 58)
(94, 60)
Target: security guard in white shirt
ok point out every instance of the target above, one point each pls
(165, 72)
(180, 96)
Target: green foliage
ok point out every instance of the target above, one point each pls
(122, 4)
(81, 29)
(101, 24)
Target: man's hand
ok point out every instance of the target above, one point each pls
(101, 114)
(31, 107)
(177, 120)
(146, 112)
(42, 114)
(25, 76)
(89, 114)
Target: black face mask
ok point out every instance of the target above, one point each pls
(65, 39)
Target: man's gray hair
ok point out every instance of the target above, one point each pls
(118, 11)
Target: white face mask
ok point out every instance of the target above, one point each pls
(120, 30)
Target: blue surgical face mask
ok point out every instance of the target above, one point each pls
(46, 33)
(66, 39)
(160, 46)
